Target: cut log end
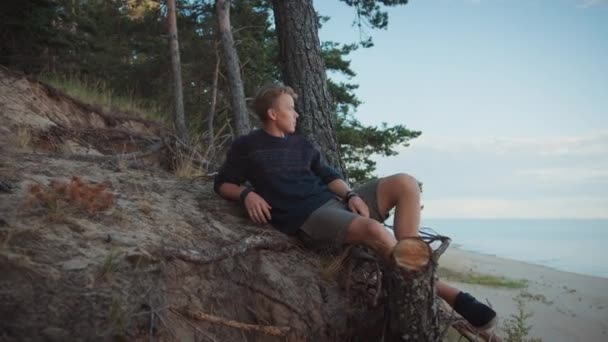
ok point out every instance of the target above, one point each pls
(413, 254)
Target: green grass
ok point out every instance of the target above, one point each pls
(517, 327)
(110, 265)
(96, 92)
(482, 279)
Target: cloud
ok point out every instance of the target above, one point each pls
(565, 174)
(590, 3)
(494, 207)
(592, 144)
(556, 176)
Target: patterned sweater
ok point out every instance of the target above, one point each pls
(287, 172)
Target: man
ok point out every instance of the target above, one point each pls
(296, 192)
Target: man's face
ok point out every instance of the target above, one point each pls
(283, 114)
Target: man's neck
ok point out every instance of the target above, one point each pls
(274, 131)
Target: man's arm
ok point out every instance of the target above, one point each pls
(228, 182)
(231, 191)
(257, 208)
(355, 203)
(339, 187)
(336, 185)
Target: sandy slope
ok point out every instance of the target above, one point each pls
(574, 307)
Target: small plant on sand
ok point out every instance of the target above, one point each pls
(516, 326)
(117, 315)
(145, 206)
(89, 197)
(110, 266)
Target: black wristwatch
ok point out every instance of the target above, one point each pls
(244, 194)
(350, 194)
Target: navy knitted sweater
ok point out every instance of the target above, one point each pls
(287, 172)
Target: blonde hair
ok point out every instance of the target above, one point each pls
(267, 95)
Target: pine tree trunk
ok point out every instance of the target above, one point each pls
(303, 69)
(178, 96)
(237, 98)
(211, 116)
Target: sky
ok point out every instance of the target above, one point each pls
(511, 98)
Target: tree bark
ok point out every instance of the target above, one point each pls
(211, 116)
(412, 305)
(178, 96)
(303, 69)
(231, 58)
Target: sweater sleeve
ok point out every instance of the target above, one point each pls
(233, 169)
(321, 169)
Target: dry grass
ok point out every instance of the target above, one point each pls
(24, 137)
(5, 238)
(98, 92)
(185, 167)
(331, 267)
(145, 206)
(188, 163)
(65, 148)
(201, 156)
(117, 315)
(122, 164)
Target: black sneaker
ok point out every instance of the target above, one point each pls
(480, 316)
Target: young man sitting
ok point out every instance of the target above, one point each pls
(298, 194)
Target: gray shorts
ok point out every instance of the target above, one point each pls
(326, 227)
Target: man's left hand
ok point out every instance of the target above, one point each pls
(357, 206)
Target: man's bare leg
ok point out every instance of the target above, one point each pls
(402, 192)
(373, 234)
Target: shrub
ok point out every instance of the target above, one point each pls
(91, 198)
(516, 326)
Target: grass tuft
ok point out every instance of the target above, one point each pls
(516, 327)
(23, 137)
(482, 279)
(110, 266)
(145, 206)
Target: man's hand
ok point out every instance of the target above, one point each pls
(357, 206)
(257, 208)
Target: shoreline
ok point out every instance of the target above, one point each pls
(462, 249)
(566, 306)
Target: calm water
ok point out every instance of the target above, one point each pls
(579, 246)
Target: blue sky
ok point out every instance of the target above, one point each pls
(511, 97)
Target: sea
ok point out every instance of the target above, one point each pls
(578, 246)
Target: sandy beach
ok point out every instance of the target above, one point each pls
(565, 306)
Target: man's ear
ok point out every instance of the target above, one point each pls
(271, 114)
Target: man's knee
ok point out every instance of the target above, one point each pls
(362, 229)
(406, 182)
(375, 230)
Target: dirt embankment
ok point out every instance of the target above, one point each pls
(162, 252)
